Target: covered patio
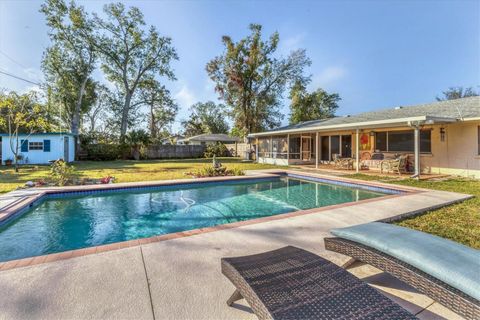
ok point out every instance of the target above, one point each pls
(354, 143)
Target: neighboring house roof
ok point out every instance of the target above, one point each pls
(40, 134)
(446, 111)
(213, 137)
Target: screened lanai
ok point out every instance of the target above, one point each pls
(287, 149)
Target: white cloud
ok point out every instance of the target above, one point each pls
(185, 97)
(291, 43)
(328, 76)
(34, 88)
(33, 74)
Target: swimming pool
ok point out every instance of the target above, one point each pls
(63, 221)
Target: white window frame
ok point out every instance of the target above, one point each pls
(35, 146)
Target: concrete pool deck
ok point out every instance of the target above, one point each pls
(180, 278)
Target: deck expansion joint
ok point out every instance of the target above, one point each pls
(148, 283)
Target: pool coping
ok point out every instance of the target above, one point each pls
(30, 200)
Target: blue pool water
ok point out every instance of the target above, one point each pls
(62, 223)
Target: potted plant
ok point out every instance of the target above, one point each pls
(8, 162)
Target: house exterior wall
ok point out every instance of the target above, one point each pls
(458, 154)
(40, 156)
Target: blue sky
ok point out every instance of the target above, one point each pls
(373, 53)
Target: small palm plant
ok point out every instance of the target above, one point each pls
(137, 140)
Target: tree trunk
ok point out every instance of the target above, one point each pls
(76, 115)
(153, 127)
(75, 125)
(125, 111)
(15, 155)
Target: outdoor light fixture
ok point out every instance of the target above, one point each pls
(442, 134)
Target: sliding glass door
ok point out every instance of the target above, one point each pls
(346, 146)
(324, 148)
(340, 145)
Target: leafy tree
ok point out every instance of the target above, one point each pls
(69, 63)
(162, 108)
(206, 117)
(21, 114)
(130, 54)
(192, 127)
(251, 80)
(305, 106)
(457, 93)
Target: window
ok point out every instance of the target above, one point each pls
(294, 145)
(325, 146)
(35, 145)
(381, 141)
(334, 145)
(347, 146)
(426, 141)
(402, 141)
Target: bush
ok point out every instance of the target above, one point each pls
(61, 173)
(103, 151)
(211, 171)
(218, 149)
(235, 172)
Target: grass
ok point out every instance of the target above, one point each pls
(459, 222)
(123, 171)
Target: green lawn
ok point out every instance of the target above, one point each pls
(123, 171)
(460, 222)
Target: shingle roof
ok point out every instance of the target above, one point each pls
(213, 137)
(455, 109)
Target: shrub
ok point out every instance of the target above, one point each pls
(103, 151)
(211, 171)
(235, 172)
(218, 149)
(61, 173)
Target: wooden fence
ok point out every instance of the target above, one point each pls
(175, 151)
(237, 150)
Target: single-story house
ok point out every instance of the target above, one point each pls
(441, 137)
(173, 138)
(39, 148)
(209, 138)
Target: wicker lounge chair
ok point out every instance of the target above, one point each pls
(397, 166)
(342, 163)
(449, 291)
(291, 283)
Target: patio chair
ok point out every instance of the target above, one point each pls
(342, 163)
(398, 165)
(291, 283)
(446, 271)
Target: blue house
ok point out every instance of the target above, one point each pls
(39, 148)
